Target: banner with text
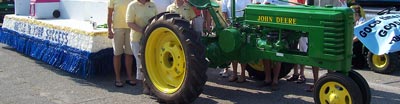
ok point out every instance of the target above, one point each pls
(380, 34)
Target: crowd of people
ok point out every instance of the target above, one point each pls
(127, 18)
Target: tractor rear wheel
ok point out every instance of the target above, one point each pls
(256, 70)
(336, 88)
(384, 64)
(173, 59)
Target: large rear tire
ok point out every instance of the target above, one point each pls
(384, 64)
(173, 59)
(256, 70)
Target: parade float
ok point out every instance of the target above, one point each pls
(62, 33)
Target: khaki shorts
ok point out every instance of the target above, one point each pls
(121, 41)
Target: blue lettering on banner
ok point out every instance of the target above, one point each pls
(380, 34)
(57, 36)
(53, 35)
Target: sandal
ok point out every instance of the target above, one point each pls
(129, 82)
(294, 77)
(241, 79)
(233, 78)
(118, 84)
(301, 80)
(310, 88)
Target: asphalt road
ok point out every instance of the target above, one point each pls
(26, 81)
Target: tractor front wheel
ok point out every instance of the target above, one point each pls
(363, 84)
(173, 59)
(336, 88)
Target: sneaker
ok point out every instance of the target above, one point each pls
(223, 73)
(294, 77)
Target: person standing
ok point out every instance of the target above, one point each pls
(137, 16)
(240, 5)
(359, 18)
(268, 80)
(198, 20)
(182, 8)
(119, 31)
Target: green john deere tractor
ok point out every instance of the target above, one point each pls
(175, 58)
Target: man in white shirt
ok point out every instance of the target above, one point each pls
(162, 4)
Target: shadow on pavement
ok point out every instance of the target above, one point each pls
(103, 80)
(382, 97)
(250, 91)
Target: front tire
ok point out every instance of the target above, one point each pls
(363, 84)
(173, 59)
(336, 88)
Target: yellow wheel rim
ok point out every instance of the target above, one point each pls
(334, 93)
(257, 66)
(380, 61)
(165, 60)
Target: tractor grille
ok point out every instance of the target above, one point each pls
(333, 38)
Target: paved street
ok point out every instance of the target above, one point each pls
(27, 81)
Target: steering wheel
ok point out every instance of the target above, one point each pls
(387, 10)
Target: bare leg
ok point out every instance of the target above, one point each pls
(276, 71)
(242, 77)
(117, 67)
(234, 69)
(296, 69)
(302, 78)
(295, 75)
(234, 72)
(315, 73)
(128, 65)
(243, 71)
(267, 71)
(302, 70)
